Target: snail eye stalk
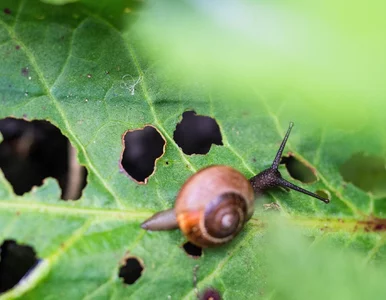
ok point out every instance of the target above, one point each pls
(271, 177)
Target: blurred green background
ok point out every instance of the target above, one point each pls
(326, 57)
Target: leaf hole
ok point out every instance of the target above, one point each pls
(324, 193)
(195, 134)
(131, 270)
(367, 172)
(210, 294)
(32, 151)
(298, 169)
(192, 250)
(16, 262)
(141, 150)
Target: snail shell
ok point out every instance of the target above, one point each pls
(213, 205)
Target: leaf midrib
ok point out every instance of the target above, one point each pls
(330, 224)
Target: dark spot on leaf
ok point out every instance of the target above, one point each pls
(7, 11)
(195, 134)
(367, 172)
(210, 294)
(141, 150)
(25, 71)
(192, 250)
(16, 262)
(380, 227)
(33, 151)
(299, 170)
(373, 224)
(166, 163)
(17, 47)
(131, 270)
(323, 193)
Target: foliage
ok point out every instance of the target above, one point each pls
(321, 68)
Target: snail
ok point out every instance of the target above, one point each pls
(213, 204)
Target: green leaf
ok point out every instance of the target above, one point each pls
(77, 57)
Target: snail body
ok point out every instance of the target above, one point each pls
(214, 204)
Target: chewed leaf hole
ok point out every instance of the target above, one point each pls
(324, 193)
(141, 149)
(210, 294)
(366, 172)
(298, 170)
(131, 270)
(16, 262)
(195, 134)
(33, 151)
(192, 250)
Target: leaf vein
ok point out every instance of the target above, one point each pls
(125, 214)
